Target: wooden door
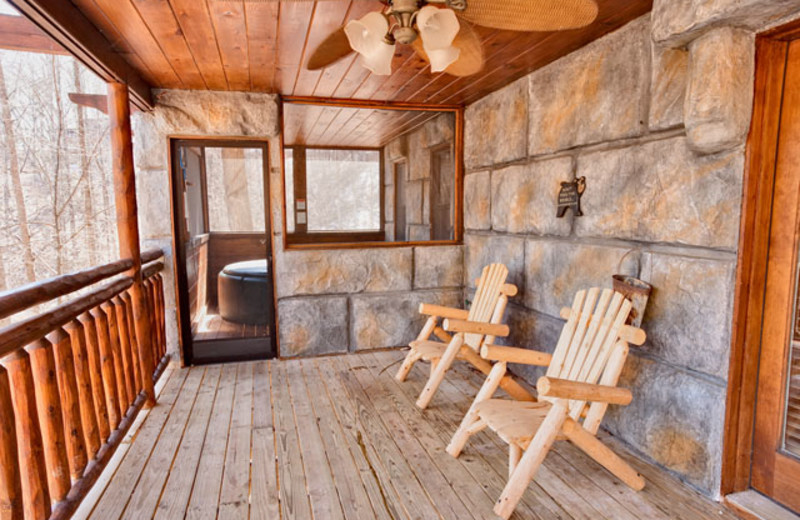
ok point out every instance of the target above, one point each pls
(776, 443)
(442, 189)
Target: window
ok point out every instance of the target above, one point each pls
(371, 174)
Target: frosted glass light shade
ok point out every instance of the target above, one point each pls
(438, 28)
(366, 37)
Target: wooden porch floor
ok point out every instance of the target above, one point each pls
(337, 437)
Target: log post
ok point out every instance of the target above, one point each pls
(30, 449)
(107, 368)
(96, 375)
(128, 225)
(125, 346)
(116, 351)
(10, 483)
(137, 376)
(77, 338)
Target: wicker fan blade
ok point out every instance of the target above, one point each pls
(531, 15)
(332, 49)
(470, 59)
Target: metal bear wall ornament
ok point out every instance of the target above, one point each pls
(569, 196)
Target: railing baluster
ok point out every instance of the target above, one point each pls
(137, 362)
(96, 375)
(70, 405)
(158, 314)
(162, 310)
(125, 346)
(48, 406)
(10, 483)
(77, 338)
(148, 300)
(30, 449)
(113, 337)
(108, 369)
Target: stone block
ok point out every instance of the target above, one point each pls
(677, 22)
(149, 144)
(719, 97)
(414, 200)
(481, 250)
(496, 127)
(477, 201)
(388, 202)
(662, 192)
(205, 112)
(419, 232)
(153, 201)
(313, 326)
(438, 266)
(397, 148)
(393, 320)
(688, 316)
(675, 418)
(426, 201)
(595, 94)
(524, 197)
(668, 87)
(555, 271)
(343, 271)
(440, 130)
(530, 329)
(419, 159)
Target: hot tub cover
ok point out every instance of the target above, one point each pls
(249, 269)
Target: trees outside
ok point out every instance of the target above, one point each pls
(56, 195)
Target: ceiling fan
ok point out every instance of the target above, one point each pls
(440, 31)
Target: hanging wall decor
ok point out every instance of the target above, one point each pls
(569, 197)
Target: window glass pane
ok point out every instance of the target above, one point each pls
(354, 176)
(235, 178)
(288, 165)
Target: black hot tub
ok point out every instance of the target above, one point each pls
(243, 294)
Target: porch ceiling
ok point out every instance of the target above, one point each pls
(262, 46)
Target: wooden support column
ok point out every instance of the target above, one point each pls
(128, 226)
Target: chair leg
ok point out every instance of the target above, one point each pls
(514, 454)
(438, 374)
(531, 460)
(412, 356)
(488, 389)
(601, 453)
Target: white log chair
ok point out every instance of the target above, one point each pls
(580, 384)
(472, 329)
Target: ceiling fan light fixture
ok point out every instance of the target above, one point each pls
(367, 37)
(438, 28)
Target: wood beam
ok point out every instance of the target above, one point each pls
(128, 226)
(17, 33)
(68, 26)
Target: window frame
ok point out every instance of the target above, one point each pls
(360, 240)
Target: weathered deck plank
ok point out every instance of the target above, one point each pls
(338, 437)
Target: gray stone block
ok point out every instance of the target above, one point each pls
(524, 198)
(677, 22)
(675, 418)
(555, 271)
(393, 320)
(419, 232)
(477, 201)
(688, 316)
(481, 250)
(662, 192)
(496, 127)
(532, 330)
(668, 87)
(343, 271)
(313, 326)
(438, 266)
(595, 94)
(719, 97)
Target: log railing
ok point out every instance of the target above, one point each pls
(71, 382)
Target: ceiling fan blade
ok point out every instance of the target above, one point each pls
(530, 15)
(470, 59)
(332, 49)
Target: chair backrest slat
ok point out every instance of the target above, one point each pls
(487, 296)
(588, 339)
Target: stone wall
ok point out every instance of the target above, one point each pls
(328, 300)
(655, 116)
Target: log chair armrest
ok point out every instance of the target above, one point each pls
(630, 334)
(442, 312)
(565, 389)
(509, 289)
(475, 327)
(523, 356)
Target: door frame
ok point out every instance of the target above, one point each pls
(177, 217)
(753, 252)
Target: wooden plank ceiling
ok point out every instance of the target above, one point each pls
(263, 45)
